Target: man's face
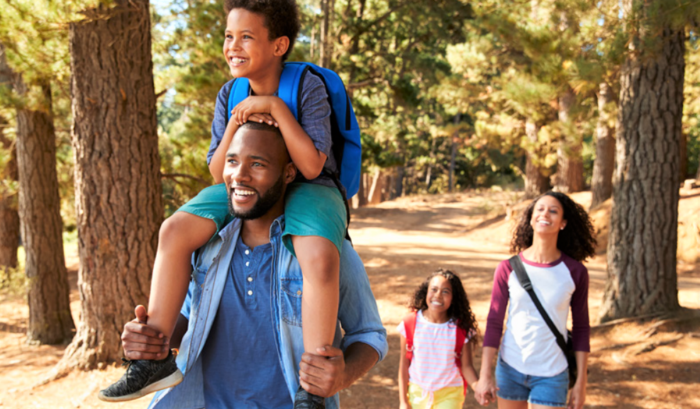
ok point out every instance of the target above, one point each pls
(256, 173)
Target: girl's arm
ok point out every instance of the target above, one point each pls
(403, 376)
(486, 388)
(467, 368)
(306, 157)
(218, 161)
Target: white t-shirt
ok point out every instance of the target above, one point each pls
(433, 365)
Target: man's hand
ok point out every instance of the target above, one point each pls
(253, 105)
(323, 374)
(141, 341)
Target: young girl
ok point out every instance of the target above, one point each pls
(553, 237)
(432, 378)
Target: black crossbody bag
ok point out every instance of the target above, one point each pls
(566, 346)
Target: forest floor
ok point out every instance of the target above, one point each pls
(650, 364)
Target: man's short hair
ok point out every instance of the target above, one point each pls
(261, 126)
(281, 17)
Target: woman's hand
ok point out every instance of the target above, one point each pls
(485, 390)
(577, 397)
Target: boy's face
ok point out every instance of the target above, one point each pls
(247, 48)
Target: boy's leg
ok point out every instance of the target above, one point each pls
(320, 264)
(180, 235)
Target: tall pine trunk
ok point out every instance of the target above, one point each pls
(118, 190)
(536, 182)
(604, 164)
(50, 320)
(569, 161)
(9, 217)
(644, 221)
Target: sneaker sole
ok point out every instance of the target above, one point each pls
(168, 382)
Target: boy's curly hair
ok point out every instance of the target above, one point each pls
(577, 240)
(281, 17)
(460, 310)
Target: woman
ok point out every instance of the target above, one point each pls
(553, 237)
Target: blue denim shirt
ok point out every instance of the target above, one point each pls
(357, 313)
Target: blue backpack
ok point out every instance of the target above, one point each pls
(345, 132)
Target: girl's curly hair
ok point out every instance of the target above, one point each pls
(577, 240)
(460, 310)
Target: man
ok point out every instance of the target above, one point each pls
(242, 315)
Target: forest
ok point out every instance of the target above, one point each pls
(106, 109)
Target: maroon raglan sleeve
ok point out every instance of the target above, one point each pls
(581, 331)
(499, 305)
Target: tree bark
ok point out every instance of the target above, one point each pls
(9, 217)
(453, 154)
(536, 182)
(644, 221)
(397, 191)
(604, 164)
(117, 183)
(569, 163)
(326, 46)
(50, 320)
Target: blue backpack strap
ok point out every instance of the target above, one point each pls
(239, 91)
(291, 81)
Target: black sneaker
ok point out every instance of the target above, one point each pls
(141, 378)
(305, 400)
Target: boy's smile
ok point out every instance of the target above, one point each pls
(249, 51)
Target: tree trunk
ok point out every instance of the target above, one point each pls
(9, 217)
(536, 182)
(326, 46)
(569, 163)
(453, 155)
(362, 192)
(601, 182)
(683, 165)
(117, 184)
(50, 320)
(398, 182)
(644, 221)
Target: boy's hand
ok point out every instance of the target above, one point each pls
(322, 374)
(266, 118)
(253, 105)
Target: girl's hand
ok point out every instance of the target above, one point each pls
(252, 105)
(266, 118)
(577, 397)
(485, 390)
(405, 405)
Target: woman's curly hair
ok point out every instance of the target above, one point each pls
(281, 17)
(577, 240)
(460, 310)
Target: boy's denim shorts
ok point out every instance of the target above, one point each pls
(537, 390)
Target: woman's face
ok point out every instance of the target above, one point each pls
(547, 216)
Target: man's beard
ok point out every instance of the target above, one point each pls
(264, 203)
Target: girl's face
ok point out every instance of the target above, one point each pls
(439, 297)
(547, 216)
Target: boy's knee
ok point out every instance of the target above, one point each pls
(184, 232)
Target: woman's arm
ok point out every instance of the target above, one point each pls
(578, 393)
(403, 376)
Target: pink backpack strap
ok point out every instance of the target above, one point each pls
(459, 345)
(409, 324)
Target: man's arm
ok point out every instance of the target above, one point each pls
(330, 371)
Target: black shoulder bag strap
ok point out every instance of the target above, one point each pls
(524, 279)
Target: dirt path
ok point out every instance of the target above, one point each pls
(400, 243)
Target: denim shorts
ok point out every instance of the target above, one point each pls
(537, 390)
